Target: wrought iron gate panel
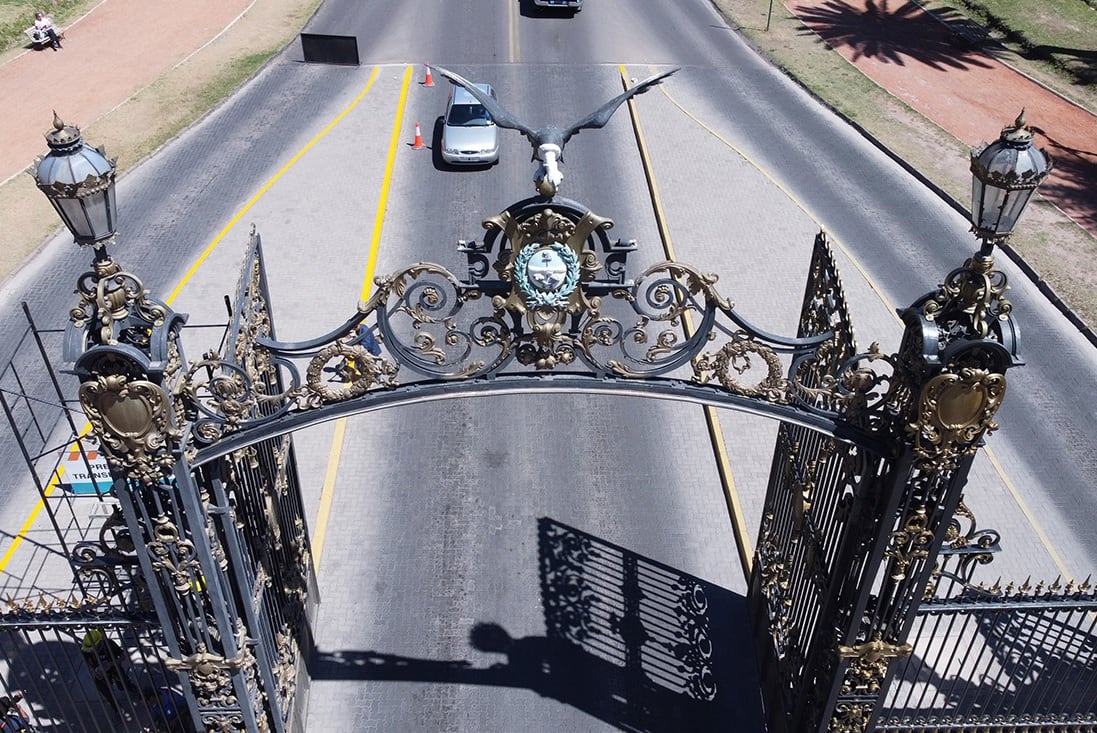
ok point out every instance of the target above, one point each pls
(224, 547)
(809, 570)
(810, 517)
(45, 661)
(257, 577)
(850, 533)
(266, 540)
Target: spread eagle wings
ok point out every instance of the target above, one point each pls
(551, 134)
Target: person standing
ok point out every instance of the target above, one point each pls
(106, 662)
(43, 25)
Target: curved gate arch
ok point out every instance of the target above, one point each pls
(871, 455)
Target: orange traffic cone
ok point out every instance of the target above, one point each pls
(418, 145)
(428, 81)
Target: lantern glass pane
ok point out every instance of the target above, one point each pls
(989, 210)
(75, 216)
(1011, 211)
(99, 212)
(977, 191)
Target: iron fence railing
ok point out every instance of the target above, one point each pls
(1000, 658)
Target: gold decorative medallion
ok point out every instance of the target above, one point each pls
(954, 411)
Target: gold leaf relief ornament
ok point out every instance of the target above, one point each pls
(850, 718)
(869, 662)
(909, 543)
(734, 359)
(171, 552)
(954, 411)
(134, 421)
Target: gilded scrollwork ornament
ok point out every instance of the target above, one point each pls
(775, 573)
(868, 664)
(171, 552)
(971, 298)
(223, 722)
(562, 302)
(114, 300)
(211, 674)
(850, 717)
(910, 543)
(734, 359)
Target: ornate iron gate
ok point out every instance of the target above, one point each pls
(205, 570)
(870, 459)
(226, 542)
(80, 641)
(998, 656)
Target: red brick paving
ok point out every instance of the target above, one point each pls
(108, 55)
(965, 91)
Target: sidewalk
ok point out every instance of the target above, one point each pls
(962, 89)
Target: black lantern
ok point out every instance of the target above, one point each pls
(1004, 176)
(79, 182)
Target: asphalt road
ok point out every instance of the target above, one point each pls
(439, 510)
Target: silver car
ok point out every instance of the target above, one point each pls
(469, 135)
(573, 5)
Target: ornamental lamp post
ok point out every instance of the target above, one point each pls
(1005, 174)
(79, 181)
(115, 318)
(968, 319)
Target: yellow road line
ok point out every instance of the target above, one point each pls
(386, 184)
(1037, 528)
(514, 50)
(18, 539)
(1044, 539)
(327, 492)
(274, 179)
(788, 194)
(27, 525)
(39, 505)
(712, 420)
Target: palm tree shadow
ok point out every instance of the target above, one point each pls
(633, 643)
(941, 40)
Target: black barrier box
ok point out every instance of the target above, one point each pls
(320, 48)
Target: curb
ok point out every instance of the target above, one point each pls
(1037, 279)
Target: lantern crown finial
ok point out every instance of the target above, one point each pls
(61, 136)
(1017, 135)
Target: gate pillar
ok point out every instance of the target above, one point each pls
(850, 533)
(223, 548)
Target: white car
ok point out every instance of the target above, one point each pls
(469, 135)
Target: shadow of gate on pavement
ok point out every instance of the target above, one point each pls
(630, 641)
